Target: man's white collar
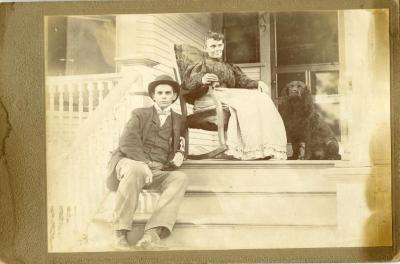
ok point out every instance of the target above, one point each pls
(165, 110)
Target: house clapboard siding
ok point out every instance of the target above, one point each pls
(153, 37)
(252, 72)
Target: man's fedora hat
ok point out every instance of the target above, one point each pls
(163, 79)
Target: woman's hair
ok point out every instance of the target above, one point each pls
(215, 36)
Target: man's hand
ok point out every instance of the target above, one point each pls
(208, 78)
(262, 87)
(148, 178)
(178, 159)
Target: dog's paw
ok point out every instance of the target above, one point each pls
(302, 153)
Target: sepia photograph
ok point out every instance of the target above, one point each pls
(218, 130)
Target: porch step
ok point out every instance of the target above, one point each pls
(259, 208)
(242, 205)
(217, 237)
(237, 220)
(267, 176)
(223, 236)
(249, 208)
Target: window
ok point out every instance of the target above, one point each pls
(81, 45)
(300, 34)
(57, 48)
(241, 37)
(305, 48)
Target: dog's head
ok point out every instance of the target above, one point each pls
(295, 89)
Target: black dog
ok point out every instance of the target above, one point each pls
(311, 137)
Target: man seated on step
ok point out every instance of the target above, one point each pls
(151, 147)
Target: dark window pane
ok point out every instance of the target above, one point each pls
(241, 37)
(307, 38)
(90, 45)
(285, 78)
(56, 42)
(325, 82)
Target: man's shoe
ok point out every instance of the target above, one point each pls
(150, 241)
(120, 240)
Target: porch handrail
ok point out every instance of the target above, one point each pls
(97, 116)
(71, 98)
(52, 80)
(83, 91)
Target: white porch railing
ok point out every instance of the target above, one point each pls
(70, 99)
(76, 172)
(83, 92)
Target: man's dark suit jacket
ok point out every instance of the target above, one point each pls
(133, 136)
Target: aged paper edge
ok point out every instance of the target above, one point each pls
(22, 100)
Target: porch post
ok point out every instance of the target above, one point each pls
(364, 73)
(133, 55)
(265, 49)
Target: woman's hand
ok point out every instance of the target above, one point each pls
(209, 78)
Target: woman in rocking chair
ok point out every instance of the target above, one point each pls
(255, 128)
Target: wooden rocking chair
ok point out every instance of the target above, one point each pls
(188, 55)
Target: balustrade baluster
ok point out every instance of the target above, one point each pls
(69, 185)
(110, 85)
(59, 126)
(69, 219)
(51, 226)
(80, 101)
(82, 189)
(75, 173)
(88, 177)
(71, 89)
(95, 179)
(100, 87)
(90, 90)
(51, 120)
(60, 89)
(102, 148)
(95, 176)
(84, 200)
